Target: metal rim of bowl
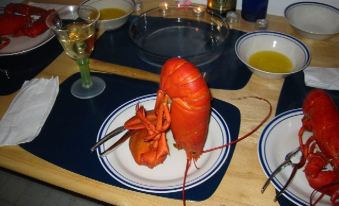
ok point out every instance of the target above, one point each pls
(73, 7)
(303, 46)
(144, 14)
(121, 17)
(291, 6)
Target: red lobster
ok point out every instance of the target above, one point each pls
(188, 117)
(20, 20)
(322, 149)
(190, 96)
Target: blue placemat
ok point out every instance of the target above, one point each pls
(292, 96)
(15, 69)
(294, 91)
(226, 72)
(72, 127)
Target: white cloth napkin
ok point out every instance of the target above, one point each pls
(324, 78)
(28, 111)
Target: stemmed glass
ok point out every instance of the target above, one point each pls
(75, 28)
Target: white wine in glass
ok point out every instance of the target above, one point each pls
(75, 28)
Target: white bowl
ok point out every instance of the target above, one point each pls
(253, 42)
(313, 20)
(111, 24)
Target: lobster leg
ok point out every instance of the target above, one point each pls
(154, 123)
(321, 180)
(335, 197)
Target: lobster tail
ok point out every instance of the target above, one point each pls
(318, 102)
(183, 82)
(190, 108)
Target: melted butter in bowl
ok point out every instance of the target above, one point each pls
(272, 54)
(111, 13)
(271, 61)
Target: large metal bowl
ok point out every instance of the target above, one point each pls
(172, 31)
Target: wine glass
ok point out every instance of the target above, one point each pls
(75, 28)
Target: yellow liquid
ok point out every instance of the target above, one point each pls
(78, 42)
(111, 13)
(271, 61)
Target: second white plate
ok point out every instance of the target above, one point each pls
(23, 44)
(279, 137)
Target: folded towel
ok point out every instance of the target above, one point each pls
(28, 111)
(324, 78)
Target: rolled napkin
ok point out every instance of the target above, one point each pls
(28, 111)
(324, 78)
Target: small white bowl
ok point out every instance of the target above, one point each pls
(313, 20)
(253, 42)
(111, 24)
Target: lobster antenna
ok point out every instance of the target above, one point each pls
(250, 132)
(188, 164)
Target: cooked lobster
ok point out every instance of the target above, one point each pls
(188, 117)
(182, 83)
(22, 20)
(321, 150)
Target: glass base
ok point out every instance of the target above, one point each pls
(81, 92)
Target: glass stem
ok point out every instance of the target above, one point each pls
(85, 72)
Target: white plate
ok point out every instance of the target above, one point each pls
(166, 177)
(278, 138)
(23, 44)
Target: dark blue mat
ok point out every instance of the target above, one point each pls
(294, 91)
(14, 70)
(71, 130)
(226, 72)
(292, 95)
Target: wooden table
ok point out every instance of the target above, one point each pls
(244, 176)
